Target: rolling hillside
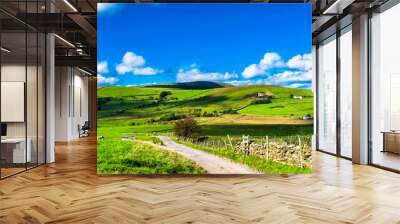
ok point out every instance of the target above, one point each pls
(144, 101)
(145, 112)
(191, 85)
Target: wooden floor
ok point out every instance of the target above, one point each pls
(386, 159)
(70, 191)
(5, 172)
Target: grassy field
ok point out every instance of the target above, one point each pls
(142, 102)
(140, 112)
(131, 110)
(283, 107)
(123, 157)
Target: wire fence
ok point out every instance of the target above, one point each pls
(292, 150)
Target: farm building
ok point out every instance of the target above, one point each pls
(260, 95)
(297, 97)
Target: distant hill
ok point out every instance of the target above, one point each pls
(191, 85)
(210, 97)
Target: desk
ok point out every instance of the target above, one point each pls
(391, 141)
(15, 148)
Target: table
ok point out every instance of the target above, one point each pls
(15, 148)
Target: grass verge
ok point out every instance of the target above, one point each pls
(253, 161)
(124, 157)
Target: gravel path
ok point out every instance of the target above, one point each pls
(213, 164)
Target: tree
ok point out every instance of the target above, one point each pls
(187, 128)
(164, 94)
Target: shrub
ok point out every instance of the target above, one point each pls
(196, 114)
(164, 94)
(230, 111)
(209, 114)
(172, 117)
(263, 101)
(187, 128)
(102, 101)
(157, 141)
(122, 111)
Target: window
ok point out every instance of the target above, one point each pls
(385, 89)
(346, 92)
(327, 95)
(22, 88)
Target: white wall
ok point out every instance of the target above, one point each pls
(17, 73)
(33, 126)
(61, 103)
(14, 72)
(71, 102)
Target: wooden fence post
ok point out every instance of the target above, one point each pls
(300, 152)
(267, 145)
(230, 142)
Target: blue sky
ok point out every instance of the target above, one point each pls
(240, 44)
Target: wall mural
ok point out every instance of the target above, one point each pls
(204, 88)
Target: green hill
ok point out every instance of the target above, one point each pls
(140, 110)
(191, 85)
(144, 101)
(143, 112)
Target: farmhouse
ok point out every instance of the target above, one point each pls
(297, 97)
(260, 95)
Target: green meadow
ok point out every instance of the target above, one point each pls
(139, 158)
(220, 110)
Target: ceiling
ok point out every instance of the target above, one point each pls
(75, 23)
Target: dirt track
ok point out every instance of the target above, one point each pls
(213, 164)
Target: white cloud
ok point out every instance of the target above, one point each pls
(195, 74)
(246, 82)
(129, 62)
(106, 80)
(102, 67)
(146, 71)
(300, 85)
(142, 84)
(269, 61)
(289, 76)
(252, 71)
(132, 63)
(303, 62)
(296, 72)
